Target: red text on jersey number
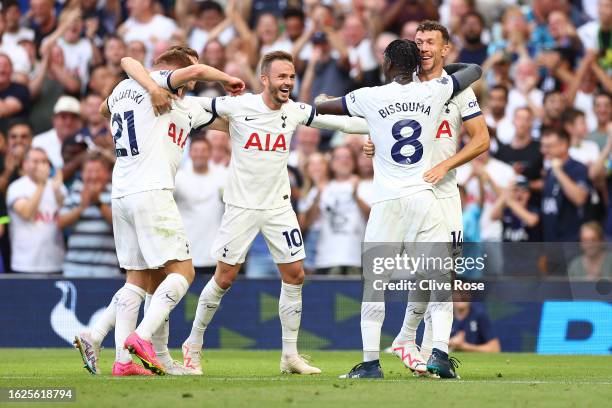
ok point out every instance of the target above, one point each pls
(179, 138)
(267, 143)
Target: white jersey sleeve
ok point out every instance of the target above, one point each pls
(356, 102)
(200, 116)
(468, 104)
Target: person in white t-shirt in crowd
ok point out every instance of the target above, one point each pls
(343, 207)
(581, 150)
(14, 32)
(316, 177)
(66, 123)
(198, 194)
(495, 115)
(78, 51)
(17, 54)
(138, 50)
(308, 139)
(495, 175)
(525, 91)
(602, 106)
(360, 49)
(33, 202)
(204, 23)
(220, 148)
(147, 26)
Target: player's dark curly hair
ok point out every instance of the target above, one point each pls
(404, 55)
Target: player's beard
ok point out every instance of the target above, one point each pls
(278, 97)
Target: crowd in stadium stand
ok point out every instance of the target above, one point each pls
(545, 95)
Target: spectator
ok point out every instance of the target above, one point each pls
(473, 51)
(316, 178)
(602, 106)
(19, 141)
(14, 32)
(566, 189)
(146, 25)
(343, 206)
(33, 201)
(114, 50)
(601, 171)
(137, 50)
(471, 213)
(208, 24)
(66, 123)
(595, 262)
(102, 80)
(220, 148)
(472, 329)
(14, 97)
(42, 19)
(95, 131)
(360, 50)
(495, 113)
(51, 80)
(515, 33)
(398, 12)
(308, 140)
(74, 153)
(520, 219)
(525, 91)
(581, 150)
(20, 61)
(523, 153)
(87, 216)
(596, 35)
(494, 174)
(198, 194)
(554, 105)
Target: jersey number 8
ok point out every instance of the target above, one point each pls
(412, 140)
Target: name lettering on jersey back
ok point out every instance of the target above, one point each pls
(255, 142)
(404, 107)
(444, 129)
(132, 94)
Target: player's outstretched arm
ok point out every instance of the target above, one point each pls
(327, 106)
(463, 75)
(161, 99)
(342, 123)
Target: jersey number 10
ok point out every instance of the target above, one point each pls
(128, 117)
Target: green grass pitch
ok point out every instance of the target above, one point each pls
(238, 378)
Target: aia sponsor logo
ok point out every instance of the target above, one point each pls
(444, 130)
(268, 143)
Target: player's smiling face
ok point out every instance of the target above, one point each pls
(279, 81)
(433, 50)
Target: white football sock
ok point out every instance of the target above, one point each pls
(290, 314)
(426, 344)
(160, 337)
(372, 318)
(166, 297)
(127, 306)
(208, 303)
(415, 309)
(442, 323)
(106, 322)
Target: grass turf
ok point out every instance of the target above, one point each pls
(237, 378)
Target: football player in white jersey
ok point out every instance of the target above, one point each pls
(432, 38)
(148, 229)
(402, 116)
(257, 199)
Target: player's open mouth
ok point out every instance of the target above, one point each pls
(284, 91)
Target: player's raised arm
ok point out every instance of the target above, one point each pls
(202, 72)
(330, 106)
(463, 75)
(161, 99)
(342, 123)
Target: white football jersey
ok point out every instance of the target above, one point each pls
(402, 120)
(260, 138)
(149, 148)
(459, 109)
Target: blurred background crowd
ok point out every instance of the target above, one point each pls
(545, 93)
